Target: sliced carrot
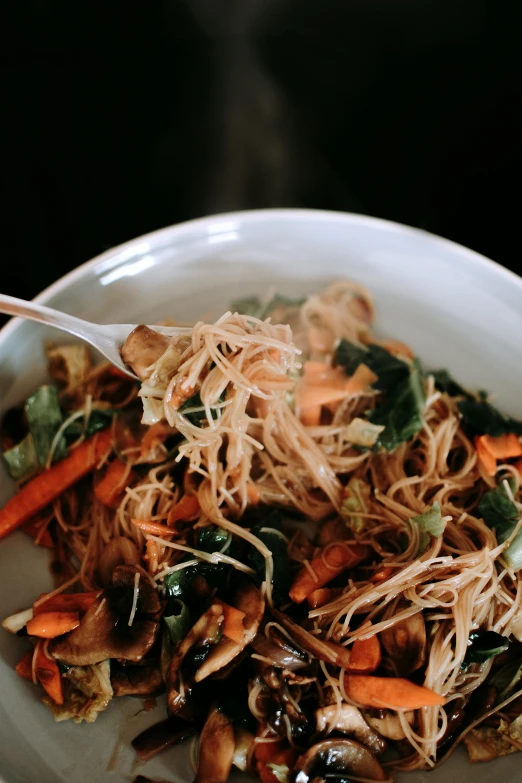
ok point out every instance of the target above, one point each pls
(66, 602)
(360, 380)
(319, 597)
(365, 656)
(395, 693)
(110, 489)
(48, 674)
(486, 459)
(503, 447)
(311, 417)
(24, 667)
(39, 532)
(313, 369)
(382, 574)
(155, 436)
(153, 556)
(253, 494)
(51, 483)
(184, 510)
(334, 559)
(233, 627)
(48, 625)
(153, 528)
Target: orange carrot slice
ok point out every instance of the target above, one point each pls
(185, 509)
(112, 486)
(366, 655)
(48, 625)
(503, 447)
(24, 667)
(333, 560)
(66, 602)
(48, 674)
(486, 459)
(395, 693)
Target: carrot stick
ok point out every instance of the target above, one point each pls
(253, 494)
(360, 380)
(395, 693)
(48, 674)
(153, 528)
(24, 667)
(365, 656)
(185, 509)
(233, 627)
(311, 416)
(503, 447)
(112, 486)
(51, 483)
(486, 459)
(382, 574)
(67, 602)
(319, 597)
(48, 625)
(153, 556)
(333, 560)
(155, 435)
(39, 533)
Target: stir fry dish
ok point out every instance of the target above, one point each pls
(309, 542)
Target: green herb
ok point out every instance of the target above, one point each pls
(500, 514)
(178, 624)
(445, 382)
(401, 411)
(22, 460)
(481, 418)
(213, 539)
(194, 410)
(44, 418)
(483, 645)
(269, 532)
(430, 524)
(389, 370)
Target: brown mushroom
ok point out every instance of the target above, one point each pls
(142, 348)
(389, 725)
(137, 681)
(348, 720)
(104, 631)
(405, 642)
(161, 736)
(245, 744)
(204, 632)
(280, 651)
(249, 600)
(338, 757)
(323, 650)
(216, 749)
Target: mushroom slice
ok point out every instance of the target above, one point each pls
(248, 599)
(348, 720)
(323, 650)
(338, 757)
(405, 642)
(390, 726)
(142, 348)
(245, 745)
(123, 579)
(137, 681)
(216, 749)
(161, 736)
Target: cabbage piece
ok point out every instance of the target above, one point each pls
(22, 460)
(355, 497)
(487, 743)
(87, 691)
(431, 523)
(45, 418)
(69, 364)
(363, 433)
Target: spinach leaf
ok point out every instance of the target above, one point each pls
(390, 371)
(445, 382)
(401, 411)
(430, 524)
(197, 417)
(501, 514)
(481, 418)
(22, 460)
(98, 420)
(178, 584)
(213, 539)
(179, 623)
(44, 417)
(483, 645)
(269, 532)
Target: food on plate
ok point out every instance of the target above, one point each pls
(310, 543)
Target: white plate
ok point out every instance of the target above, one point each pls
(454, 307)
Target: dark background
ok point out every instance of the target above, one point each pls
(120, 118)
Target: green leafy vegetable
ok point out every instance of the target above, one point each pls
(178, 584)
(44, 417)
(270, 533)
(22, 460)
(213, 539)
(363, 433)
(506, 679)
(252, 305)
(178, 624)
(500, 514)
(356, 495)
(430, 524)
(390, 371)
(194, 411)
(445, 382)
(481, 418)
(401, 411)
(98, 420)
(483, 645)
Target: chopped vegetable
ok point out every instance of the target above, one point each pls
(501, 515)
(430, 523)
(486, 743)
(394, 693)
(355, 498)
(483, 419)
(22, 460)
(254, 306)
(444, 382)
(194, 410)
(503, 446)
(48, 625)
(38, 529)
(401, 411)
(233, 627)
(389, 370)
(111, 488)
(363, 433)
(24, 667)
(49, 484)
(382, 574)
(270, 532)
(319, 597)
(179, 624)
(483, 645)
(44, 418)
(48, 674)
(66, 602)
(213, 539)
(365, 655)
(334, 559)
(69, 364)
(184, 510)
(486, 460)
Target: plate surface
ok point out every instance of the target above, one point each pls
(454, 307)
